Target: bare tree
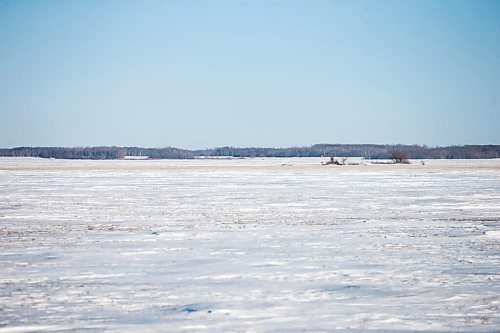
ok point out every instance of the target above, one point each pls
(399, 156)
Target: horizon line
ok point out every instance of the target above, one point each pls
(425, 146)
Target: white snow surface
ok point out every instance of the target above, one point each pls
(249, 245)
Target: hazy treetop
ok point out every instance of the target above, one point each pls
(196, 74)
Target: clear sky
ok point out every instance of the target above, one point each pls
(199, 74)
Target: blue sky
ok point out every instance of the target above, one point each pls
(199, 74)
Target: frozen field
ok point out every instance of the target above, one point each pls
(249, 245)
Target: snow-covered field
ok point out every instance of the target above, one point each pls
(249, 245)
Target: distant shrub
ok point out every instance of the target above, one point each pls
(399, 156)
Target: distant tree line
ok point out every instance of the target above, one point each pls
(368, 151)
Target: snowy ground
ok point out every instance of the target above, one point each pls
(249, 245)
